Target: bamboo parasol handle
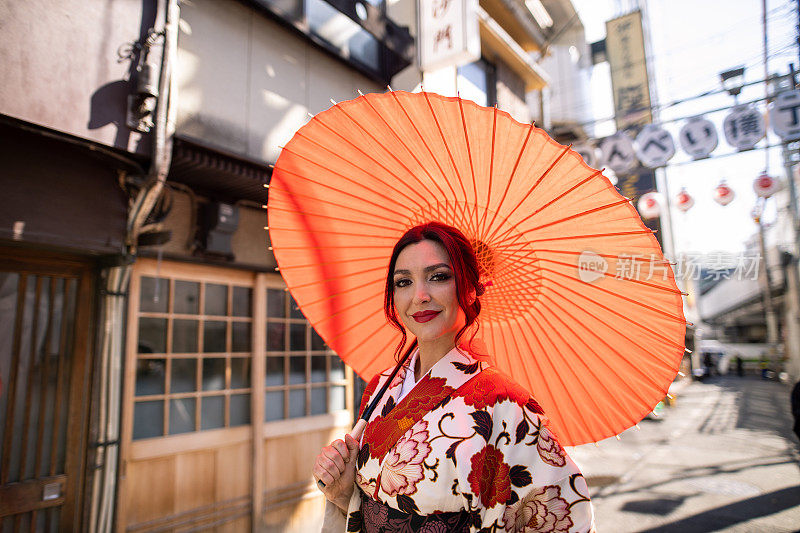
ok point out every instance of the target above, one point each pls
(358, 429)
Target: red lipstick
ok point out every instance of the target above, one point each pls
(424, 316)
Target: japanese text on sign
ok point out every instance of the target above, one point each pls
(448, 33)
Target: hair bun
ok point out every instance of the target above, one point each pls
(480, 289)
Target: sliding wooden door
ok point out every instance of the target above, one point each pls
(45, 309)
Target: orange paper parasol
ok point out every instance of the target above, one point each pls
(581, 307)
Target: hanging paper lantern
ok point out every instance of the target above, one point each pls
(587, 152)
(654, 146)
(618, 153)
(684, 200)
(649, 205)
(765, 185)
(744, 127)
(723, 194)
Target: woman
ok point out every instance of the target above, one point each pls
(453, 444)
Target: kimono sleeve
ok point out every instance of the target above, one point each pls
(523, 481)
(334, 520)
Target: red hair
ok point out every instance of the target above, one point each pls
(465, 272)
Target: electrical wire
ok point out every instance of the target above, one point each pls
(701, 95)
(774, 15)
(587, 104)
(720, 156)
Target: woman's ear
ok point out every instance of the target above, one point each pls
(472, 297)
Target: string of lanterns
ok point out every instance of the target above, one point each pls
(654, 146)
(649, 204)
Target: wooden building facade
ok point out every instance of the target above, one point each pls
(155, 374)
(164, 380)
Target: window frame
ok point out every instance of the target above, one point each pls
(199, 356)
(173, 272)
(308, 352)
(396, 46)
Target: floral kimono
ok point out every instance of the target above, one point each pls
(467, 449)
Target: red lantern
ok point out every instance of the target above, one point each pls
(684, 201)
(723, 194)
(649, 205)
(765, 185)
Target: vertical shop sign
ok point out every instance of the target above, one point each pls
(629, 81)
(448, 33)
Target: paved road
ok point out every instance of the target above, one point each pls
(723, 458)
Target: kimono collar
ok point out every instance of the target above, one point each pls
(456, 367)
(393, 418)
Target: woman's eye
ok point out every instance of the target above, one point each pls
(440, 276)
(402, 282)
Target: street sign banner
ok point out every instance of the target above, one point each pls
(654, 146)
(588, 152)
(698, 137)
(744, 127)
(784, 115)
(618, 153)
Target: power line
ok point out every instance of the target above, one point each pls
(778, 49)
(720, 156)
(652, 57)
(585, 103)
(687, 99)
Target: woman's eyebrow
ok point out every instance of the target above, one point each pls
(427, 269)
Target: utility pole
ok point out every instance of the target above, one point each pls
(790, 152)
(769, 306)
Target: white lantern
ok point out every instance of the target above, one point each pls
(784, 114)
(618, 153)
(684, 201)
(744, 127)
(649, 205)
(587, 152)
(698, 137)
(723, 194)
(765, 185)
(654, 146)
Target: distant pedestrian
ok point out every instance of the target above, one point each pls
(796, 408)
(764, 366)
(739, 366)
(708, 362)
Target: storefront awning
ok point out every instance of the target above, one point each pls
(215, 172)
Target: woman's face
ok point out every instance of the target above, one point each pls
(425, 292)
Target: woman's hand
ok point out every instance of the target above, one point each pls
(336, 467)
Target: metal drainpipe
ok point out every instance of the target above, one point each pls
(164, 125)
(115, 290)
(104, 482)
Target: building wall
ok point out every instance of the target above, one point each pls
(511, 93)
(568, 98)
(61, 67)
(246, 83)
(221, 411)
(404, 13)
(250, 241)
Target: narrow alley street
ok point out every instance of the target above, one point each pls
(723, 458)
